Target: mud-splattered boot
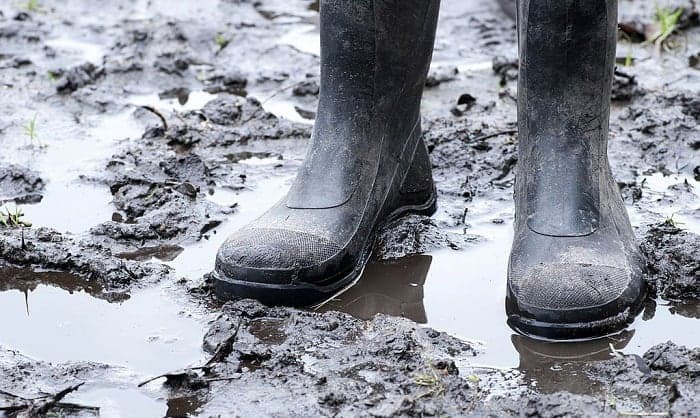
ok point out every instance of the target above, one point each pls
(367, 163)
(575, 270)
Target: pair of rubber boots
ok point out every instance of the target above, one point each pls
(574, 270)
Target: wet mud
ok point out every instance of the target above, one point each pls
(138, 135)
(20, 185)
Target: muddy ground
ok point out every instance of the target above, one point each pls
(137, 134)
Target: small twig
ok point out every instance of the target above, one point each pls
(41, 405)
(280, 90)
(493, 135)
(220, 379)
(681, 78)
(13, 408)
(159, 114)
(225, 348)
(11, 395)
(55, 399)
(171, 374)
(222, 351)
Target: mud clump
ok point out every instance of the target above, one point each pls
(330, 363)
(625, 87)
(20, 185)
(324, 364)
(506, 69)
(440, 76)
(44, 248)
(306, 88)
(77, 77)
(673, 261)
(664, 380)
(228, 82)
(691, 107)
(416, 235)
(160, 185)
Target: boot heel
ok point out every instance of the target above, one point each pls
(417, 192)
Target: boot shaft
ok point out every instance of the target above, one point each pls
(567, 52)
(375, 56)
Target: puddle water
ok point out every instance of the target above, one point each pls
(121, 402)
(195, 100)
(250, 205)
(285, 109)
(68, 150)
(59, 210)
(54, 318)
(83, 51)
(304, 38)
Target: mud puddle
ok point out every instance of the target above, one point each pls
(80, 51)
(458, 293)
(57, 320)
(70, 203)
(451, 291)
(159, 327)
(249, 203)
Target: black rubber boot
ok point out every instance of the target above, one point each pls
(367, 163)
(575, 270)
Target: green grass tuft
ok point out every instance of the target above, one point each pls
(13, 219)
(221, 41)
(30, 129)
(33, 6)
(667, 21)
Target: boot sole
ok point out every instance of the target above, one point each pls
(308, 294)
(574, 331)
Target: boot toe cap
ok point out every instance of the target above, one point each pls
(569, 286)
(564, 301)
(272, 254)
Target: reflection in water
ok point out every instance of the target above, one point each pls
(26, 281)
(148, 332)
(268, 330)
(552, 367)
(160, 252)
(185, 406)
(393, 287)
(688, 309)
(461, 293)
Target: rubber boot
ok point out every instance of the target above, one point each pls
(575, 271)
(367, 163)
